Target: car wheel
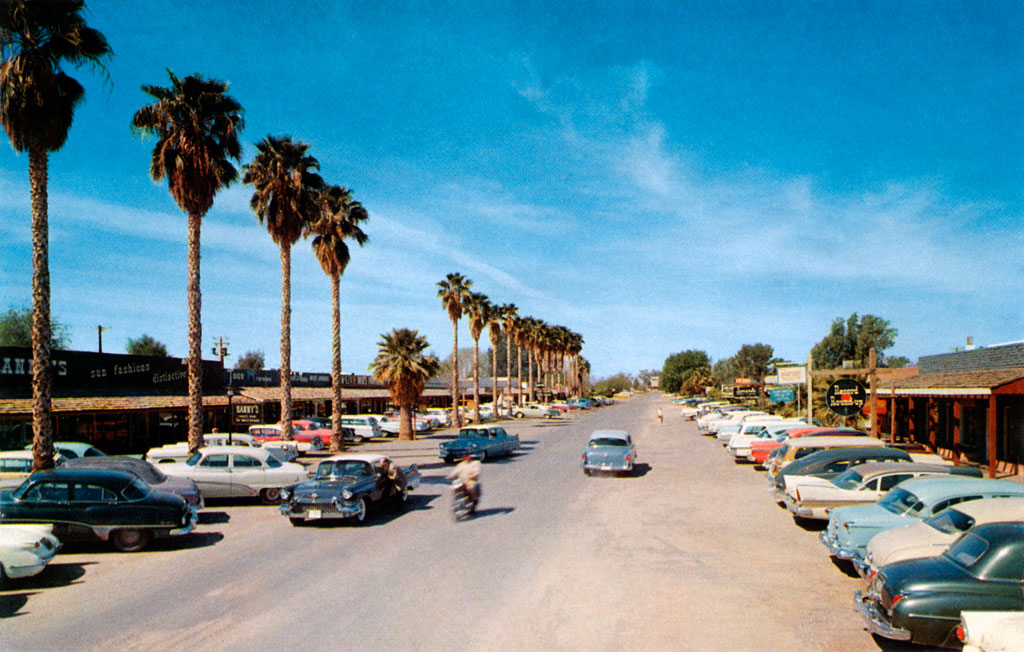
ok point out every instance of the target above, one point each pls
(449, 459)
(360, 516)
(519, 415)
(586, 472)
(129, 540)
(483, 456)
(360, 439)
(400, 500)
(270, 495)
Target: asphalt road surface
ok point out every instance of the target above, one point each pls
(690, 553)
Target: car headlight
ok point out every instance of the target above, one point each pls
(286, 494)
(475, 446)
(347, 495)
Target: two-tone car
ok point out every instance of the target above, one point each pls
(535, 411)
(920, 600)
(232, 472)
(478, 442)
(153, 476)
(25, 549)
(114, 506)
(609, 451)
(346, 486)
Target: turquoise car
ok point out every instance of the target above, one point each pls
(479, 443)
(609, 451)
(850, 528)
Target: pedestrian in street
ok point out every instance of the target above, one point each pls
(661, 417)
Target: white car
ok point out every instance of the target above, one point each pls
(751, 426)
(233, 471)
(364, 425)
(931, 537)
(170, 453)
(739, 445)
(15, 466)
(991, 631)
(535, 410)
(390, 425)
(25, 549)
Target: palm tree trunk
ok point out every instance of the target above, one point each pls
(529, 361)
(195, 337)
(476, 380)
(405, 429)
(286, 342)
(508, 371)
(337, 441)
(42, 412)
(519, 376)
(456, 417)
(494, 381)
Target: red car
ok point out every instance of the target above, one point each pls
(304, 431)
(760, 449)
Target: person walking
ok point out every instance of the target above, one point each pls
(661, 417)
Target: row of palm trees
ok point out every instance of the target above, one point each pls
(546, 345)
(197, 126)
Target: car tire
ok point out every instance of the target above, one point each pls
(586, 471)
(360, 516)
(483, 456)
(400, 500)
(270, 495)
(129, 539)
(519, 415)
(449, 460)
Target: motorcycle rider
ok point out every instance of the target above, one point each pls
(394, 479)
(467, 472)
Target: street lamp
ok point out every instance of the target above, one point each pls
(231, 414)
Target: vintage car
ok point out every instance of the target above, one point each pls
(828, 464)
(389, 425)
(153, 476)
(931, 537)
(114, 506)
(25, 549)
(920, 600)
(15, 466)
(796, 449)
(763, 448)
(810, 496)
(479, 442)
(364, 426)
(991, 631)
(850, 528)
(345, 486)
(231, 471)
(755, 430)
(610, 451)
(535, 410)
(72, 449)
(169, 453)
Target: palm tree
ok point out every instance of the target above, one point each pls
(286, 199)
(509, 315)
(338, 221)
(494, 330)
(37, 105)
(477, 308)
(197, 126)
(404, 368)
(521, 333)
(453, 292)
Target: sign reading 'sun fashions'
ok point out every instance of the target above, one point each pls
(846, 397)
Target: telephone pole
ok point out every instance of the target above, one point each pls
(99, 334)
(220, 348)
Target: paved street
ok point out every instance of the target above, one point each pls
(688, 554)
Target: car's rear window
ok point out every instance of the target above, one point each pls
(849, 479)
(901, 501)
(607, 441)
(951, 521)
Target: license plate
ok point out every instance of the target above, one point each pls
(315, 513)
(606, 467)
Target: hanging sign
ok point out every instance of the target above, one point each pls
(846, 397)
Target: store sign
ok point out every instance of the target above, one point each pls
(846, 397)
(782, 395)
(246, 414)
(795, 375)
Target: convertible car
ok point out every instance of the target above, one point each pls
(920, 600)
(611, 451)
(480, 443)
(345, 486)
(113, 506)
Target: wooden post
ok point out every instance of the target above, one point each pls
(930, 424)
(990, 426)
(956, 432)
(892, 411)
(810, 392)
(873, 379)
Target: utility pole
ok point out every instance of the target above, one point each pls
(99, 334)
(220, 348)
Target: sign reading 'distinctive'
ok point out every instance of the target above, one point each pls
(846, 397)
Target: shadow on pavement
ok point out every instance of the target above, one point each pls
(810, 524)
(12, 603)
(845, 566)
(492, 511)
(900, 646)
(211, 518)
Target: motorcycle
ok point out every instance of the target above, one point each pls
(463, 506)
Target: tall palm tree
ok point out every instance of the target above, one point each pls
(521, 335)
(402, 365)
(509, 315)
(494, 331)
(339, 220)
(196, 125)
(37, 105)
(286, 199)
(453, 292)
(477, 308)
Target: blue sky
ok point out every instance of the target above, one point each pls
(655, 176)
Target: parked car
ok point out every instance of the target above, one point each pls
(762, 449)
(810, 496)
(478, 442)
(755, 430)
(114, 506)
(850, 528)
(793, 450)
(153, 476)
(931, 537)
(389, 425)
(363, 425)
(230, 471)
(72, 449)
(345, 486)
(25, 550)
(612, 451)
(831, 462)
(536, 411)
(15, 466)
(920, 600)
(991, 631)
(169, 453)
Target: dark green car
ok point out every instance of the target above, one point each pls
(920, 600)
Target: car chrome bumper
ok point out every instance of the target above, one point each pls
(193, 518)
(320, 511)
(836, 550)
(862, 567)
(869, 611)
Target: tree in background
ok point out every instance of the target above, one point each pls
(620, 382)
(678, 367)
(197, 125)
(16, 330)
(477, 308)
(697, 382)
(146, 345)
(251, 360)
(453, 291)
(37, 105)
(725, 371)
(753, 360)
(402, 365)
(286, 198)
(852, 339)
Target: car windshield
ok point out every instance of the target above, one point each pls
(900, 501)
(472, 432)
(951, 521)
(967, 550)
(352, 468)
(137, 489)
(194, 459)
(607, 441)
(273, 462)
(849, 479)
